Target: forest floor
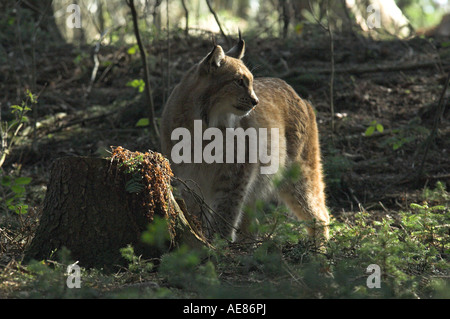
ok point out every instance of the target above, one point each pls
(395, 83)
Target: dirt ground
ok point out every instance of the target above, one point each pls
(396, 83)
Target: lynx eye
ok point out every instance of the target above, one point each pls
(240, 82)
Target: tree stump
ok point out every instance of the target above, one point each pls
(94, 207)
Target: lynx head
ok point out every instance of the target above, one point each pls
(227, 85)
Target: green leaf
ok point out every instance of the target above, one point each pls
(17, 107)
(133, 83)
(380, 128)
(25, 119)
(13, 123)
(299, 28)
(417, 206)
(139, 84)
(133, 49)
(78, 59)
(5, 181)
(23, 180)
(32, 97)
(369, 131)
(143, 122)
(397, 145)
(18, 189)
(135, 185)
(21, 209)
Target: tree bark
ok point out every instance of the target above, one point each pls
(88, 211)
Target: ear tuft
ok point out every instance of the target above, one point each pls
(238, 50)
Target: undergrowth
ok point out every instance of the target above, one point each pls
(411, 251)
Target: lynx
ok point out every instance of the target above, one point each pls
(220, 92)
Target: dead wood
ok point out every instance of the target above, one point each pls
(360, 69)
(94, 207)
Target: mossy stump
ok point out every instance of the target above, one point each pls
(94, 207)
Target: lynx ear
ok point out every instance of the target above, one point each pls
(214, 59)
(238, 50)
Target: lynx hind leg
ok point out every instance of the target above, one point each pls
(305, 198)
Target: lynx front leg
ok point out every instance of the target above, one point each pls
(229, 199)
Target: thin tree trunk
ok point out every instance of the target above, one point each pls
(148, 90)
(186, 15)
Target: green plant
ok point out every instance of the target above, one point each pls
(406, 134)
(429, 224)
(335, 166)
(439, 194)
(135, 184)
(132, 50)
(136, 264)
(411, 251)
(374, 125)
(143, 122)
(12, 186)
(80, 58)
(9, 131)
(12, 191)
(50, 278)
(157, 233)
(138, 84)
(184, 268)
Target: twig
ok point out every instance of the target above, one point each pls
(218, 23)
(91, 17)
(327, 28)
(81, 120)
(5, 151)
(439, 111)
(284, 11)
(330, 33)
(186, 15)
(199, 198)
(148, 91)
(33, 66)
(96, 63)
(4, 132)
(168, 49)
